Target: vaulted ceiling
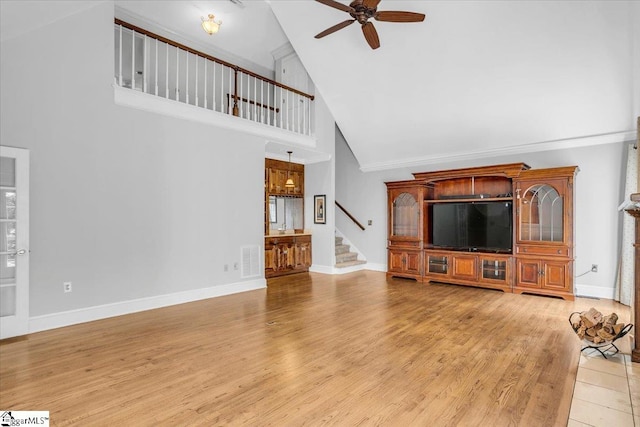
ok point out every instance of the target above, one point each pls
(476, 78)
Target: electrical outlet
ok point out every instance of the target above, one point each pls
(370, 222)
(67, 287)
(594, 268)
(235, 265)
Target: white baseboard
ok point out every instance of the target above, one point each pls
(89, 314)
(594, 291)
(325, 269)
(376, 267)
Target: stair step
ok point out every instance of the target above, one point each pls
(338, 240)
(349, 256)
(349, 263)
(342, 249)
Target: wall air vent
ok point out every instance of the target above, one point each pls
(250, 256)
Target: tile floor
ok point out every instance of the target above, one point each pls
(607, 391)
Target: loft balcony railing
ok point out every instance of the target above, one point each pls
(155, 65)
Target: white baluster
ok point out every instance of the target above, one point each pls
(205, 82)
(230, 101)
(166, 76)
(240, 105)
(262, 101)
(197, 57)
(281, 108)
(177, 74)
(255, 101)
(144, 64)
(186, 77)
(133, 59)
(213, 88)
(156, 82)
(120, 59)
(308, 111)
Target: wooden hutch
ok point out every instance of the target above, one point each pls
(287, 250)
(536, 256)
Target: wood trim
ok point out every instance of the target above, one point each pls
(209, 57)
(509, 170)
(567, 171)
(635, 352)
(279, 164)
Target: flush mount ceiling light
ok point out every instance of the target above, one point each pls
(210, 25)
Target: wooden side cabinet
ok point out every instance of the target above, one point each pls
(405, 263)
(405, 229)
(287, 255)
(544, 232)
(550, 276)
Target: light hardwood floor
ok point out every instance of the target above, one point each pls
(311, 349)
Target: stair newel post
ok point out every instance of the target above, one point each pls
(235, 92)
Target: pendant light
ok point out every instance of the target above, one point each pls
(289, 183)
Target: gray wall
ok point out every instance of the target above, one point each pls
(124, 203)
(598, 194)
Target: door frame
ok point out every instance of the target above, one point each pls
(18, 324)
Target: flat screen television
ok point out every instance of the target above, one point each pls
(472, 226)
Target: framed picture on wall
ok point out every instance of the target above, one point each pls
(320, 209)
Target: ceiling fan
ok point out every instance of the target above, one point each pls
(362, 11)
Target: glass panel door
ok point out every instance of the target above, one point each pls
(405, 216)
(14, 270)
(541, 214)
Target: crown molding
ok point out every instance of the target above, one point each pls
(559, 144)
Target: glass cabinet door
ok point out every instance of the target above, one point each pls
(541, 214)
(405, 216)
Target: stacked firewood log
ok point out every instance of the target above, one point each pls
(592, 326)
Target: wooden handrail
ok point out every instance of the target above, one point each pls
(209, 57)
(349, 215)
(251, 102)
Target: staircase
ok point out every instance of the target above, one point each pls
(344, 257)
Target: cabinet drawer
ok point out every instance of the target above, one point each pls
(408, 244)
(542, 250)
(279, 240)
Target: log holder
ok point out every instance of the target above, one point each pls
(605, 346)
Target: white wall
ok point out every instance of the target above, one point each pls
(598, 193)
(319, 178)
(125, 204)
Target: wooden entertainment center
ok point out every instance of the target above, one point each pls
(522, 219)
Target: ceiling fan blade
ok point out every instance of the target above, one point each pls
(371, 4)
(397, 16)
(335, 4)
(371, 35)
(335, 28)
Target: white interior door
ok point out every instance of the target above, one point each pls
(295, 108)
(14, 242)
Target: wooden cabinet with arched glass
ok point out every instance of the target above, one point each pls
(544, 231)
(406, 229)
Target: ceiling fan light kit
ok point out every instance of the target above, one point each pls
(362, 11)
